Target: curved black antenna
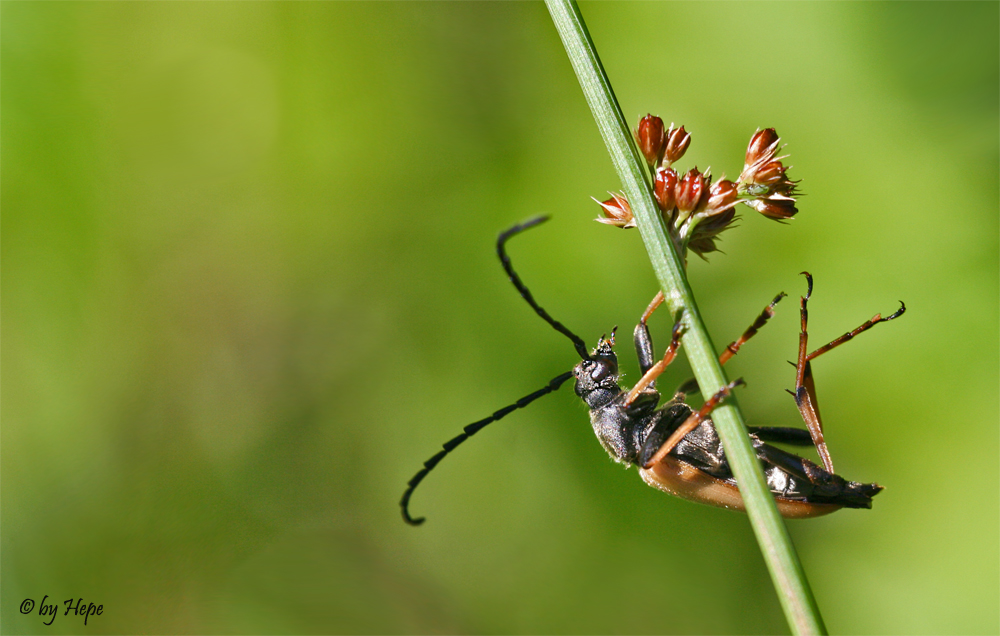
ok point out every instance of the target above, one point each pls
(468, 432)
(581, 347)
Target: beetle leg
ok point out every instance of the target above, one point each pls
(797, 467)
(653, 305)
(826, 485)
(805, 388)
(782, 434)
(805, 400)
(788, 462)
(805, 385)
(751, 331)
(877, 318)
(643, 341)
(691, 386)
(649, 376)
(693, 421)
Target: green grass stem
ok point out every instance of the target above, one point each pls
(779, 553)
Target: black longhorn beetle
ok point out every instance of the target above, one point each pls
(675, 447)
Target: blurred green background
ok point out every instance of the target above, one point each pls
(249, 286)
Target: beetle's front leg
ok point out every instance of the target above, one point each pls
(649, 375)
(643, 341)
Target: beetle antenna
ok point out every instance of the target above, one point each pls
(468, 432)
(581, 347)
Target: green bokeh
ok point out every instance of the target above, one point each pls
(248, 286)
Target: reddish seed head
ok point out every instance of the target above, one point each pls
(764, 179)
(777, 208)
(695, 209)
(651, 138)
(616, 211)
(677, 144)
(663, 188)
(763, 143)
(690, 191)
(723, 196)
(770, 173)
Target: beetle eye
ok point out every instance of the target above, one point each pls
(603, 369)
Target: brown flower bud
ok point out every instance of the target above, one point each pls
(722, 196)
(776, 207)
(677, 144)
(764, 143)
(663, 188)
(770, 173)
(617, 211)
(651, 138)
(690, 191)
(763, 175)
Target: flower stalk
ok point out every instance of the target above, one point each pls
(779, 554)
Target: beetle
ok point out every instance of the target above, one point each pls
(675, 447)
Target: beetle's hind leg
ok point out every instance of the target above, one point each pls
(782, 435)
(805, 386)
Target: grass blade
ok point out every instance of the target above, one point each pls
(779, 553)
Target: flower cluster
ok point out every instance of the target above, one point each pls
(695, 209)
(763, 180)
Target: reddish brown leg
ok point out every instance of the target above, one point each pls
(644, 351)
(762, 319)
(691, 385)
(805, 386)
(693, 421)
(657, 369)
(877, 318)
(656, 302)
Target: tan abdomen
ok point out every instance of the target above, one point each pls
(687, 482)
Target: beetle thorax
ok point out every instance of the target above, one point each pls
(612, 428)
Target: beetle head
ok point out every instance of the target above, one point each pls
(597, 377)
